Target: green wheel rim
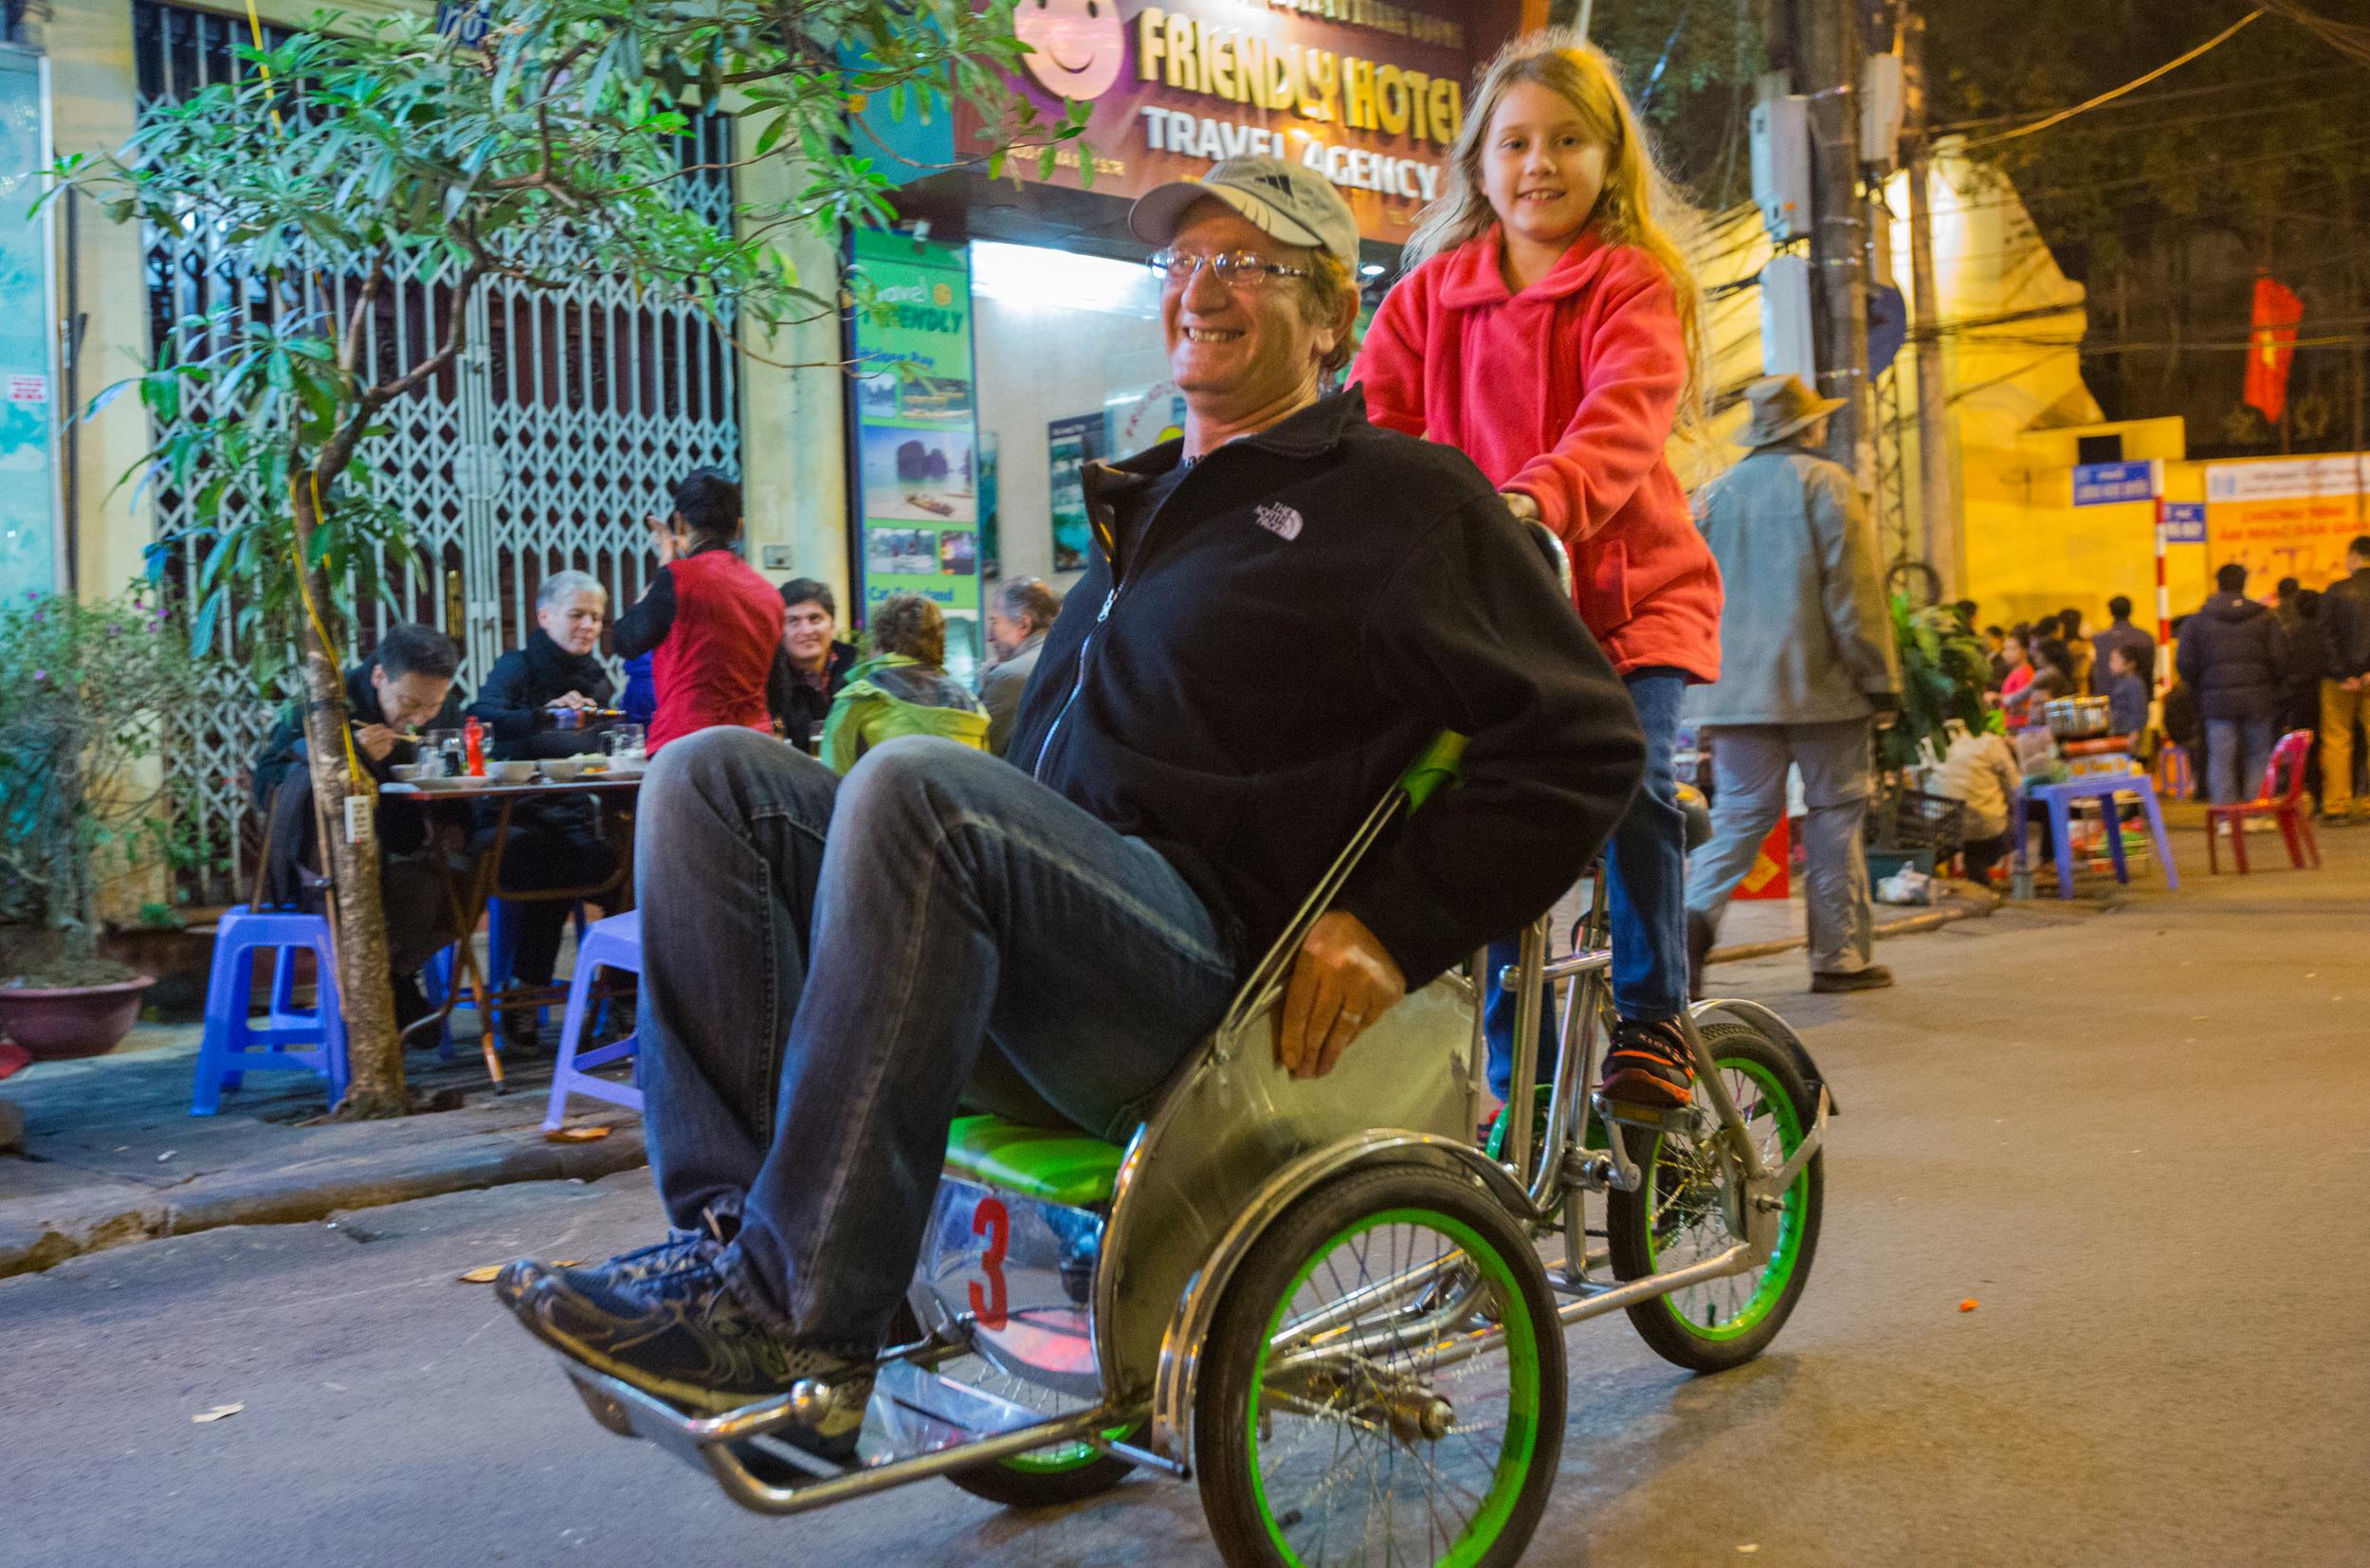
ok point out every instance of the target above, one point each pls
(1521, 1437)
(1707, 1321)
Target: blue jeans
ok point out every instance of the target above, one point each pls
(831, 968)
(1646, 881)
(2236, 752)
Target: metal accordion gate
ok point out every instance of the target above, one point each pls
(568, 418)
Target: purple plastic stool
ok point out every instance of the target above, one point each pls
(612, 943)
(2057, 800)
(235, 1043)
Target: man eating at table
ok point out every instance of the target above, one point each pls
(556, 678)
(406, 686)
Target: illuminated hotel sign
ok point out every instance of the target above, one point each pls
(1370, 95)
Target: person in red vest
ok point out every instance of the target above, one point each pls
(714, 625)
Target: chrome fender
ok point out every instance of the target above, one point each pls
(1188, 1332)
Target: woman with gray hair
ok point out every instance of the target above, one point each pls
(1019, 614)
(555, 677)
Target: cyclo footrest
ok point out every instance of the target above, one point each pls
(1660, 1118)
(921, 1425)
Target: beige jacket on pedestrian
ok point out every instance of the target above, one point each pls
(1806, 636)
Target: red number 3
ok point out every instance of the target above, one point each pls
(991, 1220)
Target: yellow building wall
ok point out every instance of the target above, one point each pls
(2013, 324)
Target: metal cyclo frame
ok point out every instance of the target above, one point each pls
(1101, 1312)
(1557, 1177)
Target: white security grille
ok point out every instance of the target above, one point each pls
(571, 414)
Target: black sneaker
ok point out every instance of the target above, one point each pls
(1874, 978)
(685, 1337)
(522, 1275)
(1648, 1065)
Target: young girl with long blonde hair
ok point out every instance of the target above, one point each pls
(1551, 330)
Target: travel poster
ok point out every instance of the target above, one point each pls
(1071, 444)
(915, 430)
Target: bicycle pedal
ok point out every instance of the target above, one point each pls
(1661, 1118)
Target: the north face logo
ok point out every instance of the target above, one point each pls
(1283, 523)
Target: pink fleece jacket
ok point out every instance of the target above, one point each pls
(1565, 392)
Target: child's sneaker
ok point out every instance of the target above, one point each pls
(1648, 1065)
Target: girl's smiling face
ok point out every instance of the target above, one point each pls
(1540, 170)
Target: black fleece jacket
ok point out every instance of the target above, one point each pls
(1261, 644)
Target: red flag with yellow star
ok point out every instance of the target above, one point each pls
(2272, 345)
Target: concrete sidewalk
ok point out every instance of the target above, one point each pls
(111, 1154)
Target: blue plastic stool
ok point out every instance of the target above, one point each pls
(2058, 800)
(502, 949)
(235, 1043)
(611, 943)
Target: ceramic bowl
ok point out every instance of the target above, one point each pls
(510, 773)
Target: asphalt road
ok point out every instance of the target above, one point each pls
(2134, 1137)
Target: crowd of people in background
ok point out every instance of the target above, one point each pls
(710, 642)
(2244, 672)
(2250, 671)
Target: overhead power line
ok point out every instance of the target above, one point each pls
(2113, 93)
(2171, 95)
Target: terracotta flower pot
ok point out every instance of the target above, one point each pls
(53, 1023)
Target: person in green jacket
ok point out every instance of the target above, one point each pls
(903, 689)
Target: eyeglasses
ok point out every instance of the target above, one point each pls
(1235, 268)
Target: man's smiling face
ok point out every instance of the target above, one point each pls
(1078, 45)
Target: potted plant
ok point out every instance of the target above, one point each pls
(1943, 673)
(89, 695)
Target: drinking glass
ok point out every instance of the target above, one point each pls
(447, 744)
(624, 742)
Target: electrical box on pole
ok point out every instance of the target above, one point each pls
(1788, 340)
(1782, 165)
(1881, 106)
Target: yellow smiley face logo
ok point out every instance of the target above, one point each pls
(941, 295)
(1075, 45)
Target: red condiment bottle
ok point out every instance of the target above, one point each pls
(473, 743)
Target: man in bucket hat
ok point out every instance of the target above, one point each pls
(1282, 607)
(1808, 665)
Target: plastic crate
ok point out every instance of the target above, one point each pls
(1912, 820)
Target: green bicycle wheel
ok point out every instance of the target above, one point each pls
(1679, 1216)
(1383, 1382)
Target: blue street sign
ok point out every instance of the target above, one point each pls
(463, 21)
(2184, 522)
(2109, 483)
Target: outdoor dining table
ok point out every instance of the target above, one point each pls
(483, 884)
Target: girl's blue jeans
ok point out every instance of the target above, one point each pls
(1646, 878)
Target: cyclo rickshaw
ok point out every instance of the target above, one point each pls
(1324, 1299)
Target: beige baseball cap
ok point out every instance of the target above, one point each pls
(1289, 201)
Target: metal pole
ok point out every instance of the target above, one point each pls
(2163, 604)
(1823, 41)
(2353, 314)
(1938, 517)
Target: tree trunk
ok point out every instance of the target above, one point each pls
(365, 992)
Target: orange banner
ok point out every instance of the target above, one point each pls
(2286, 516)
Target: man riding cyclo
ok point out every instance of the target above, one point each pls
(1285, 605)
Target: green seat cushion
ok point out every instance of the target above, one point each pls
(1051, 1164)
